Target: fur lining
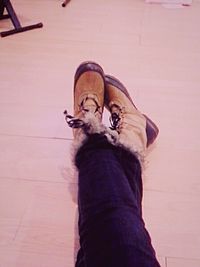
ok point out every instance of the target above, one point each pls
(93, 125)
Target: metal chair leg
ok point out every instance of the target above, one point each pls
(65, 3)
(6, 4)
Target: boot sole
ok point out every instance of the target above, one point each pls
(151, 128)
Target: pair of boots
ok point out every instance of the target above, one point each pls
(93, 90)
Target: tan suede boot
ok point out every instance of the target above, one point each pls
(89, 88)
(136, 131)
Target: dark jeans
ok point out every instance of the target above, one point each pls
(112, 232)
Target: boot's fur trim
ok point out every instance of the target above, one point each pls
(92, 125)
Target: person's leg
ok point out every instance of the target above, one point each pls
(80, 262)
(111, 229)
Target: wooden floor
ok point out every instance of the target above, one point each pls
(155, 51)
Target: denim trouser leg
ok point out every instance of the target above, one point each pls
(111, 229)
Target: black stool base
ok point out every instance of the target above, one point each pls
(6, 4)
(21, 29)
(65, 3)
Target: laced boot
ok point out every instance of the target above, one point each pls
(89, 86)
(136, 131)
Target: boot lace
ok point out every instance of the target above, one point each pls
(115, 116)
(74, 122)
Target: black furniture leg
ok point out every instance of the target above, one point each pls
(6, 4)
(65, 3)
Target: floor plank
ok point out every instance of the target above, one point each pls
(155, 52)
